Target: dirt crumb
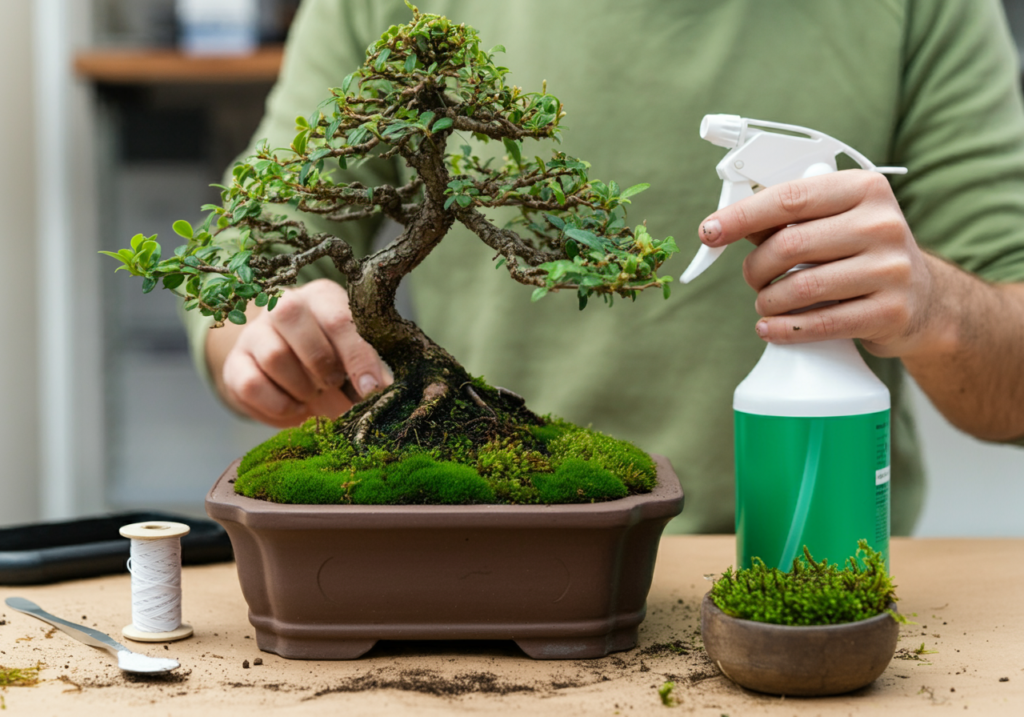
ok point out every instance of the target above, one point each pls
(427, 682)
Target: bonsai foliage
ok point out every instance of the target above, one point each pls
(812, 593)
(424, 86)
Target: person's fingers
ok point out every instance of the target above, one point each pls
(250, 388)
(836, 281)
(362, 364)
(812, 242)
(295, 321)
(278, 361)
(863, 318)
(789, 203)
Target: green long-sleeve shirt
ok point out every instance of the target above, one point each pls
(929, 85)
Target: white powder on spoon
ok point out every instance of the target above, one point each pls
(134, 662)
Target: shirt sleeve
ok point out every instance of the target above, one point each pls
(327, 41)
(960, 133)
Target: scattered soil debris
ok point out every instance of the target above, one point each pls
(258, 661)
(51, 633)
(428, 682)
(1004, 679)
(245, 664)
(75, 687)
(661, 648)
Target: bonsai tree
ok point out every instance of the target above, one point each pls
(424, 86)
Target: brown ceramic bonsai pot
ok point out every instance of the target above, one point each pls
(800, 661)
(562, 581)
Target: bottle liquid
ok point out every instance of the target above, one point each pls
(811, 420)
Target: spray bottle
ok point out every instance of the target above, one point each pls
(811, 420)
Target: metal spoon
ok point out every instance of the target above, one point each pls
(126, 659)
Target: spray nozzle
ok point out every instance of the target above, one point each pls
(765, 154)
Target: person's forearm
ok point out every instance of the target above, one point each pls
(972, 369)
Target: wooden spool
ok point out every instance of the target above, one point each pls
(155, 530)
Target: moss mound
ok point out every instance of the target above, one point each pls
(556, 462)
(812, 593)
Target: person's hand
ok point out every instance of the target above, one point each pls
(285, 365)
(850, 224)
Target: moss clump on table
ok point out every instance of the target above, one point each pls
(556, 462)
(813, 593)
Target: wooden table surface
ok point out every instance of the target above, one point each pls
(968, 596)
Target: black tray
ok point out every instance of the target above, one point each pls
(68, 550)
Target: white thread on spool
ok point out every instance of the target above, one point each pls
(155, 565)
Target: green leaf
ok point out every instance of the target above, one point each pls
(571, 250)
(443, 123)
(239, 260)
(246, 291)
(173, 281)
(273, 303)
(148, 284)
(559, 194)
(191, 261)
(463, 200)
(500, 262)
(299, 143)
(583, 300)
(514, 150)
(115, 256)
(382, 58)
(426, 118)
(306, 166)
(245, 274)
(137, 241)
(556, 222)
(496, 48)
(262, 299)
(347, 82)
(301, 122)
(635, 189)
(586, 238)
(666, 289)
(410, 63)
(236, 317)
(182, 228)
(449, 201)
(539, 293)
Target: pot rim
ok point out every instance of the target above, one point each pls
(794, 629)
(665, 501)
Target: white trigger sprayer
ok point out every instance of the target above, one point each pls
(811, 419)
(760, 156)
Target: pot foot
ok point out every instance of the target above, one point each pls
(306, 649)
(579, 647)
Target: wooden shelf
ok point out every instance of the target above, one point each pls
(133, 67)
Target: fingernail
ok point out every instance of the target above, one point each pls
(710, 231)
(762, 329)
(367, 385)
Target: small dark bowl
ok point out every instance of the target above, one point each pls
(801, 661)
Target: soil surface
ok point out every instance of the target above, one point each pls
(972, 629)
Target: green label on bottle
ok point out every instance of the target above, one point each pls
(819, 482)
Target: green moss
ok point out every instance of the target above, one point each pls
(419, 479)
(578, 481)
(319, 480)
(289, 443)
(811, 594)
(554, 463)
(627, 462)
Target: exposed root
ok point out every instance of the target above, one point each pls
(505, 393)
(477, 400)
(367, 419)
(433, 394)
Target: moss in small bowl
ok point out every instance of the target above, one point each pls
(812, 593)
(555, 462)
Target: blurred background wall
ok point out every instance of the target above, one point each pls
(104, 375)
(19, 490)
